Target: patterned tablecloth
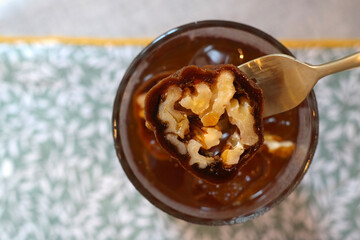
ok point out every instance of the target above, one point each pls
(60, 178)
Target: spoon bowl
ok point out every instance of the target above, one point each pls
(286, 81)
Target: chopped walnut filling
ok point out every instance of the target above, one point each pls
(232, 153)
(193, 148)
(222, 93)
(181, 147)
(208, 118)
(241, 116)
(207, 101)
(198, 102)
(177, 121)
(211, 138)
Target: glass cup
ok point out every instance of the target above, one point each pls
(257, 188)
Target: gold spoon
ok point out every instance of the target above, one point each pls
(286, 81)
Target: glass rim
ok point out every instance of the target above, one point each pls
(128, 170)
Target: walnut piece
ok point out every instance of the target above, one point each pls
(181, 147)
(223, 91)
(176, 120)
(211, 138)
(198, 102)
(232, 154)
(193, 148)
(241, 115)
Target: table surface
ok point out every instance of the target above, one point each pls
(60, 178)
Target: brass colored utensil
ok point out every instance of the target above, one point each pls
(286, 81)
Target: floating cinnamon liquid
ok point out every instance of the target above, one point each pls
(164, 173)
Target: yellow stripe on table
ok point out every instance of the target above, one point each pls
(291, 43)
(77, 40)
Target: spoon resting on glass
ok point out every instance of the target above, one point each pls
(286, 81)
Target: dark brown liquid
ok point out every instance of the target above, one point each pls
(165, 174)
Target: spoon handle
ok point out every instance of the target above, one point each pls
(339, 65)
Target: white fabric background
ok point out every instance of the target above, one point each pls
(124, 18)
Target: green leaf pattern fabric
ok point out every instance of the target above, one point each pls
(60, 177)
